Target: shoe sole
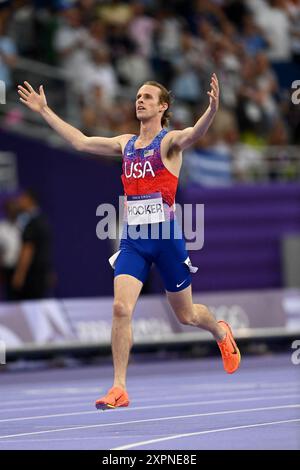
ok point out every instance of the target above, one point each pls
(107, 406)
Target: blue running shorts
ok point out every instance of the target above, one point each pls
(160, 243)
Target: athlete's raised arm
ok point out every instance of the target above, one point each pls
(185, 138)
(100, 145)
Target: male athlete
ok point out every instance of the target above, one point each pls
(151, 167)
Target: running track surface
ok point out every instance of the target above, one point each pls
(176, 404)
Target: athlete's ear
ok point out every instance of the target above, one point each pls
(165, 107)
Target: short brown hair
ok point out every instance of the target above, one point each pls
(165, 97)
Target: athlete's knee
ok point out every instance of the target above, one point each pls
(186, 318)
(122, 309)
(190, 317)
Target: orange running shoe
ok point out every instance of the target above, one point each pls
(230, 352)
(115, 398)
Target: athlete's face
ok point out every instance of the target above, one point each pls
(147, 103)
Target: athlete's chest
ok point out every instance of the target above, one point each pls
(142, 163)
(147, 161)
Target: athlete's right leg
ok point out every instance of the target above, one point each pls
(126, 292)
(131, 270)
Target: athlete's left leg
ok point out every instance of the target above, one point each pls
(194, 314)
(200, 316)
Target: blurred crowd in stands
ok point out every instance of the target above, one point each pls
(108, 48)
(25, 249)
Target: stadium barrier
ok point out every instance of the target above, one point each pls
(51, 326)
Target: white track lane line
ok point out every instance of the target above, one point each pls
(142, 408)
(199, 433)
(167, 418)
(201, 387)
(290, 388)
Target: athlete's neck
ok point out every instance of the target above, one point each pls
(148, 130)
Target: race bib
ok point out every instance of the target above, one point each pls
(145, 209)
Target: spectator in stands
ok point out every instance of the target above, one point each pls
(228, 67)
(195, 51)
(99, 72)
(250, 111)
(272, 18)
(182, 115)
(88, 11)
(180, 44)
(211, 11)
(115, 12)
(46, 24)
(22, 27)
(166, 43)
(10, 243)
(31, 279)
(124, 120)
(235, 10)
(246, 160)
(293, 10)
(8, 53)
(118, 41)
(141, 29)
(186, 84)
(190, 66)
(71, 41)
(133, 69)
(252, 37)
(267, 86)
(97, 35)
(206, 31)
(97, 113)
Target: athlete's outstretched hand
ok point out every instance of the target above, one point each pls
(214, 93)
(35, 101)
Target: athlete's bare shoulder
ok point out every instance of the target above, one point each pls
(124, 139)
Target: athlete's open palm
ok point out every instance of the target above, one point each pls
(35, 101)
(214, 93)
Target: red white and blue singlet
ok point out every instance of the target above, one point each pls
(145, 178)
(144, 171)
